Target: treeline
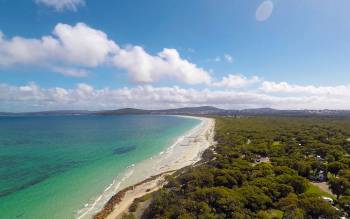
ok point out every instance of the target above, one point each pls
(262, 168)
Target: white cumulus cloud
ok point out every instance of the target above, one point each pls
(68, 45)
(71, 48)
(236, 81)
(145, 68)
(61, 5)
(264, 11)
(84, 45)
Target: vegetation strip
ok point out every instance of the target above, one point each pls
(118, 197)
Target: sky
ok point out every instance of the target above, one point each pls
(156, 54)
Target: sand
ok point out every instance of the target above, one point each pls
(137, 192)
(186, 151)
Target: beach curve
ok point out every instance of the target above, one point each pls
(149, 175)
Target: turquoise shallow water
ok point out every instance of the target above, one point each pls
(51, 166)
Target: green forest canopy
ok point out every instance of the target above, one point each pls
(232, 183)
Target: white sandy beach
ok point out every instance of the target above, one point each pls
(185, 151)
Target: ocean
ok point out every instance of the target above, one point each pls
(57, 167)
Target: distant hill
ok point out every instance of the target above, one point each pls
(202, 110)
(209, 110)
(123, 111)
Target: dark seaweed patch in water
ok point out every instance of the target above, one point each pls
(42, 174)
(24, 186)
(19, 215)
(123, 150)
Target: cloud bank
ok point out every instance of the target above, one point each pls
(285, 88)
(84, 96)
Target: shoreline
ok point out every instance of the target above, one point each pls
(185, 151)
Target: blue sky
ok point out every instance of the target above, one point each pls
(274, 53)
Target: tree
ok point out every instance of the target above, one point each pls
(262, 170)
(299, 184)
(303, 168)
(272, 188)
(297, 213)
(330, 158)
(345, 173)
(344, 203)
(316, 207)
(279, 170)
(263, 215)
(254, 198)
(335, 167)
(339, 186)
(318, 166)
(346, 161)
(289, 203)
